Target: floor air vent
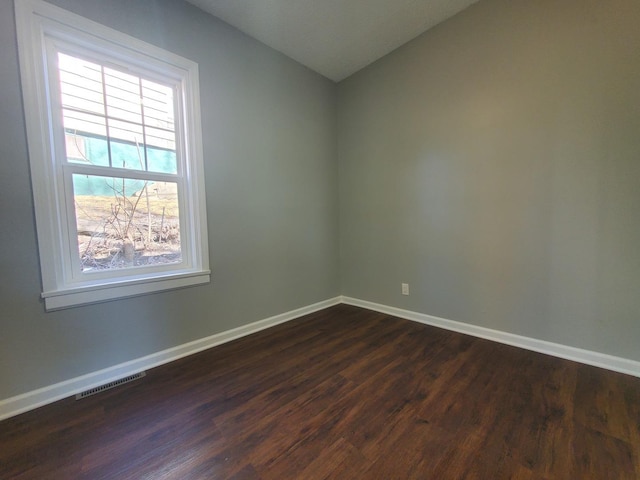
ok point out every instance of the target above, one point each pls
(107, 386)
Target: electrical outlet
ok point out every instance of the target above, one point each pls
(405, 289)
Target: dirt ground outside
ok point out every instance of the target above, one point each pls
(120, 232)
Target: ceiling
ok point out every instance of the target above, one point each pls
(333, 37)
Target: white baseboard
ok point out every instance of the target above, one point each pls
(42, 396)
(610, 362)
(37, 398)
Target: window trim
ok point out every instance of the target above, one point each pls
(40, 24)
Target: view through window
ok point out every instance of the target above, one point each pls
(122, 123)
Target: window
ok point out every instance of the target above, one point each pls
(116, 159)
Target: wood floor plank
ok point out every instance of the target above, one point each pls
(344, 393)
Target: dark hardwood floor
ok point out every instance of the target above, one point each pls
(347, 394)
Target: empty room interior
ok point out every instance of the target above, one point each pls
(388, 239)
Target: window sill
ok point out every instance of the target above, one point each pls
(71, 297)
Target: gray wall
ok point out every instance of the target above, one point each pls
(272, 200)
(493, 163)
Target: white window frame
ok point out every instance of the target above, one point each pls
(43, 30)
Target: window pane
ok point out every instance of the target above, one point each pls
(86, 149)
(113, 118)
(84, 122)
(127, 145)
(81, 99)
(123, 95)
(160, 160)
(158, 105)
(160, 138)
(85, 138)
(80, 84)
(124, 223)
